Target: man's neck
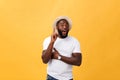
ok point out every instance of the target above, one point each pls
(62, 37)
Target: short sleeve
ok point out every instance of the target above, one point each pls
(76, 47)
(46, 43)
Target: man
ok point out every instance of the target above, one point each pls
(61, 51)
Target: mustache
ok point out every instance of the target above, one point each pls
(61, 35)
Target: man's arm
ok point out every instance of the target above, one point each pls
(46, 54)
(75, 59)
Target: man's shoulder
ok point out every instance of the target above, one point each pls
(73, 38)
(47, 38)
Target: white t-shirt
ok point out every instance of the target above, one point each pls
(57, 68)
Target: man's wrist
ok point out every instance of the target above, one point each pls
(52, 42)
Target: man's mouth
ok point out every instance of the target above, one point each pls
(64, 32)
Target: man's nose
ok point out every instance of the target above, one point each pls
(65, 27)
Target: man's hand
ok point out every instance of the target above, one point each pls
(55, 54)
(54, 36)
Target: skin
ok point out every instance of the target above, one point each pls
(63, 29)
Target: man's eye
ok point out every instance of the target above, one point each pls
(61, 25)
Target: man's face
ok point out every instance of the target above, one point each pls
(63, 28)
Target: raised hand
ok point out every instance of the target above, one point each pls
(54, 35)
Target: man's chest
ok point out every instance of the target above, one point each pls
(65, 48)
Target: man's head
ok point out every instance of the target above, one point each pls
(63, 25)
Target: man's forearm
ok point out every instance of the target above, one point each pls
(46, 55)
(72, 60)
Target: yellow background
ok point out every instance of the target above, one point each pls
(25, 23)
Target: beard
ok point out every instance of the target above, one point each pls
(61, 34)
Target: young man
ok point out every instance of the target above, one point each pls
(61, 51)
